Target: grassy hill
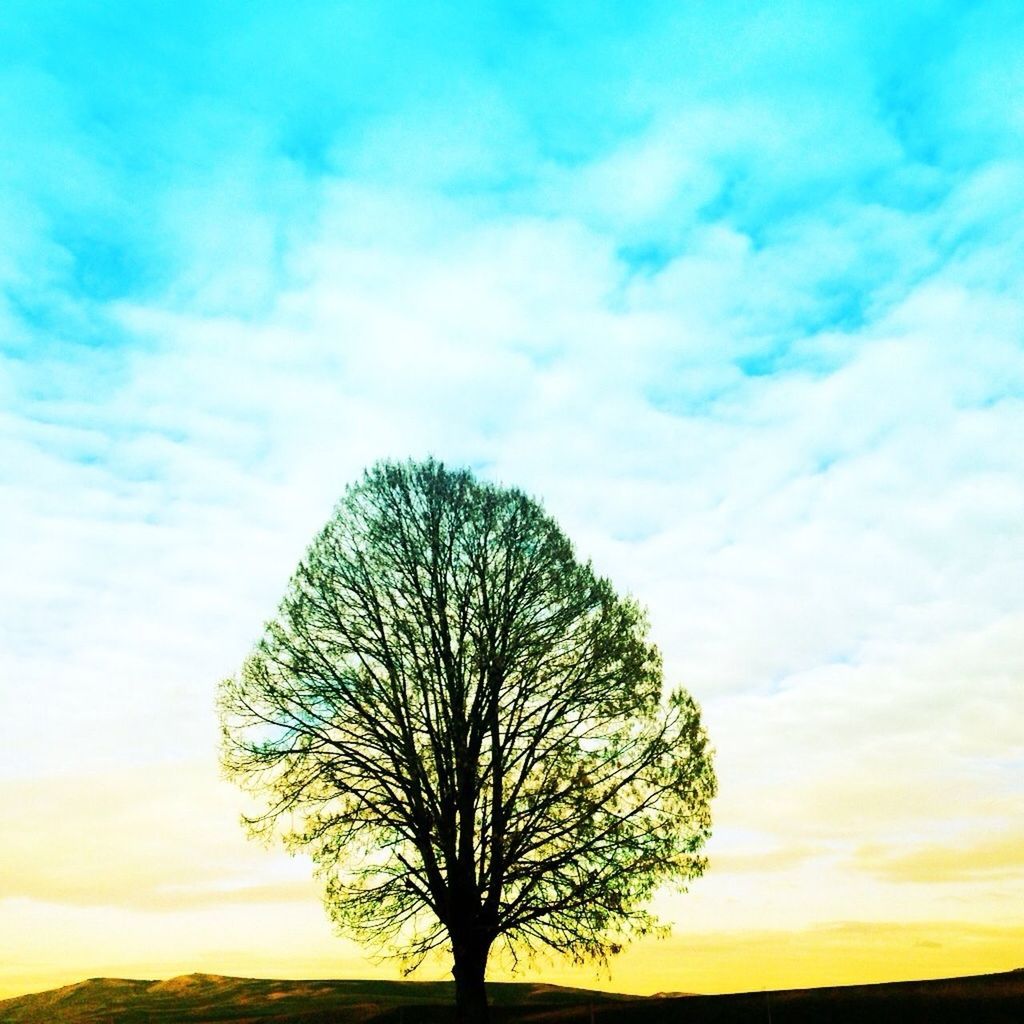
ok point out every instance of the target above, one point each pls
(200, 998)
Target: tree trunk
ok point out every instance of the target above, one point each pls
(470, 993)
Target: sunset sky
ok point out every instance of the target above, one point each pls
(735, 290)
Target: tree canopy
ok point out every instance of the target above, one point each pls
(465, 726)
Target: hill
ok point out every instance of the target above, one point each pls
(200, 998)
(207, 997)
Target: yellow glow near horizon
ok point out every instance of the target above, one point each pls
(149, 875)
(288, 941)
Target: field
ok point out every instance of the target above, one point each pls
(195, 998)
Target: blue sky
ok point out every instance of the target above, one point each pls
(736, 290)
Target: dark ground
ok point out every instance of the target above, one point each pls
(199, 998)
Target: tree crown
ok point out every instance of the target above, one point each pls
(464, 725)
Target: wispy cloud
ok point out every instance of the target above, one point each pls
(961, 857)
(156, 838)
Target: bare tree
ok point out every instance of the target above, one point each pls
(465, 727)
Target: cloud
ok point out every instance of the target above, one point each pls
(162, 838)
(961, 858)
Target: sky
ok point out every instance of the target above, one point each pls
(735, 290)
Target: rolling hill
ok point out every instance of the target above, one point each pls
(201, 998)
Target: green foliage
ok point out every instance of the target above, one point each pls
(464, 726)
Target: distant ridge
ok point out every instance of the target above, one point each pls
(201, 998)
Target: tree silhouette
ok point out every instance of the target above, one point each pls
(465, 727)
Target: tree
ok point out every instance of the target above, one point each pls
(464, 726)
